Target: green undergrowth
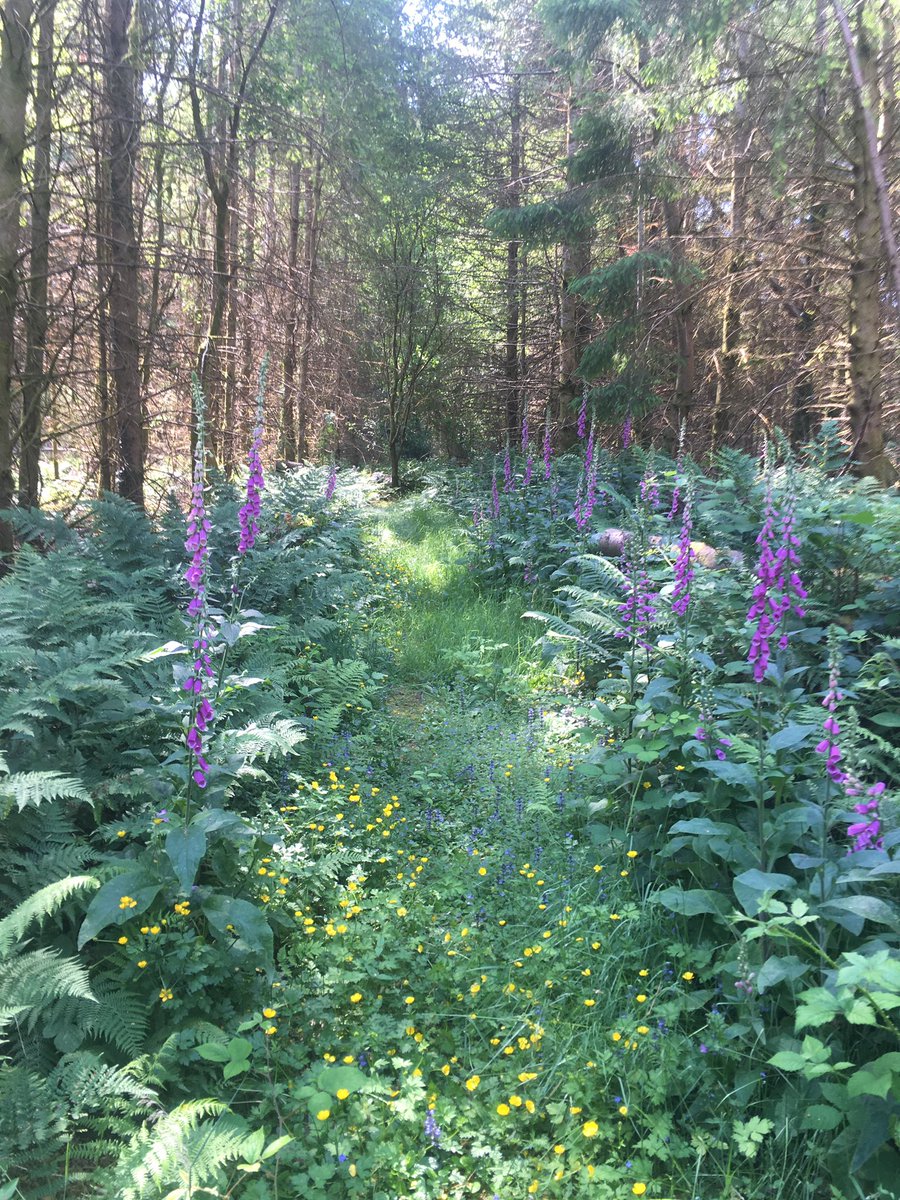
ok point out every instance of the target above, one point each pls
(449, 626)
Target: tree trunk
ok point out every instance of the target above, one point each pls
(15, 80)
(313, 195)
(736, 257)
(122, 91)
(804, 391)
(864, 409)
(682, 314)
(288, 405)
(33, 382)
(574, 319)
(511, 355)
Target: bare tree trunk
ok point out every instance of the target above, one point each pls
(804, 392)
(682, 314)
(864, 409)
(249, 258)
(736, 257)
(33, 382)
(288, 405)
(101, 241)
(228, 430)
(511, 355)
(313, 196)
(574, 320)
(15, 80)
(867, 137)
(122, 91)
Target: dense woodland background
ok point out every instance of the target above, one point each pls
(438, 219)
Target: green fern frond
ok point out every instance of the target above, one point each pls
(35, 787)
(41, 904)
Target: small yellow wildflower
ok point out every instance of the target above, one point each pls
(590, 1129)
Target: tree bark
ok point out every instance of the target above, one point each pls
(864, 409)
(122, 111)
(511, 355)
(33, 382)
(312, 200)
(288, 404)
(804, 391)
(15, 80)
(574, 320)
(736, 257)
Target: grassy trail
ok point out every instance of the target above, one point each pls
(450, 623)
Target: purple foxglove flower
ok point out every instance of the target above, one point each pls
(650, 490)
(529, 468)
(626, 433)
(779, 590)
(638, 610)
(525, 433)
(331, 483)
(867, 834)
(508, 481)
(582, 418)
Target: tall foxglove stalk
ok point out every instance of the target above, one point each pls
(779, 590)
(866, 832)
(529, 469)
(331, 482)
(495, 497)
(638, 610)
(684, 563)
(197, 545)
(508, 481)
(248, 517)
(582, 418)
(765, 607)
(525, 442)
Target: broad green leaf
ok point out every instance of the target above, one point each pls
(185, 848)
(235, 1067)
(789, 737)
(694, 902)
(336, 1079)
(106, 907)
(240, 920)
(788, 1060)
(821, 1117)
(738, 774)
(214, 1052)
(750, 886)
(273, 1147)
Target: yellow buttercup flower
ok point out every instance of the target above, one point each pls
(323, 1114)
(123, 941)
(342, 1093)
(269, 1013)
(688, 975)
(590, 1129)
(356, 997)
(472, 1082)
(127, 902)
(503, 1110)
(638, 1189)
